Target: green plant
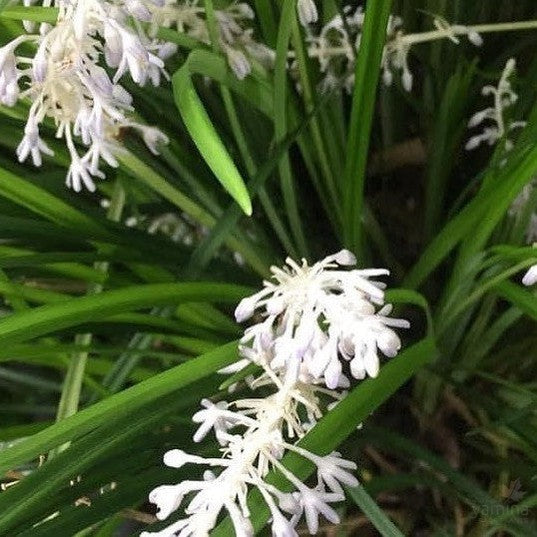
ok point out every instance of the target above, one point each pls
(118, 304)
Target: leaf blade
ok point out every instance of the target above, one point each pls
(206, 138)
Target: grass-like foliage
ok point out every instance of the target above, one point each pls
(405, 133)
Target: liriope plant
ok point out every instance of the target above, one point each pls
(397, 134)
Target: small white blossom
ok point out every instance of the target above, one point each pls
(236, 38)
(314, 320)
(320, 315)
(398, 46)
(307, 12)
(498, 128)
(32, 144)
(315, 502)
(530, 278)
(238, 63)
(335, 48)
(66, 81)
(337, 45)
(519, 209)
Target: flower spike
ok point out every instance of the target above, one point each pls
(314, 320)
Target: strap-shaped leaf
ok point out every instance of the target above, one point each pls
(26, 325)
(519, 297)
(373, 512)
(206, 138)
(34, 14)
(119, 405)
(366, 74)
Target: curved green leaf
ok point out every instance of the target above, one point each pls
(45, 319)
(34, 14)
(373, 512)
(121, 404)
(206, 138)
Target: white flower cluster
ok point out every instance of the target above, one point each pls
(337, 44)
(497, 129)
(318, 322)
(66, 83)
(236, 39)
(399, 44)
(335, 48)
(503, 97)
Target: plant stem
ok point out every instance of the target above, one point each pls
(433, 35)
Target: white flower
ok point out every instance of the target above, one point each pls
(138, 10)
(235, 36)
(167, 498)
(326, 314)
(135, 57)
(152, 137)
(32, 144)
(315, 502)
(307, 12)
(503, 97)
(314, 319)
(530, 278)
(238, 63)
(80, 175)
(65, 82)
(217, 417)
(281, 527)
(9, 74)
(337, 45)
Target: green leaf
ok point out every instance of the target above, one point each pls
(45, 319)
(288, 187)
(408, 296)
(518, 296)
(121, 404)
(363, 105)
(449, 128)
(467, 489)
(41, 202)
(486, 208)
(3, 4)
(41, 492)
(159, 184)
(373, 512)
(208, 246)
(34, 14)
(206, 138)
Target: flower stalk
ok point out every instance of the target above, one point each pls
(337, 42)
(320, 326)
